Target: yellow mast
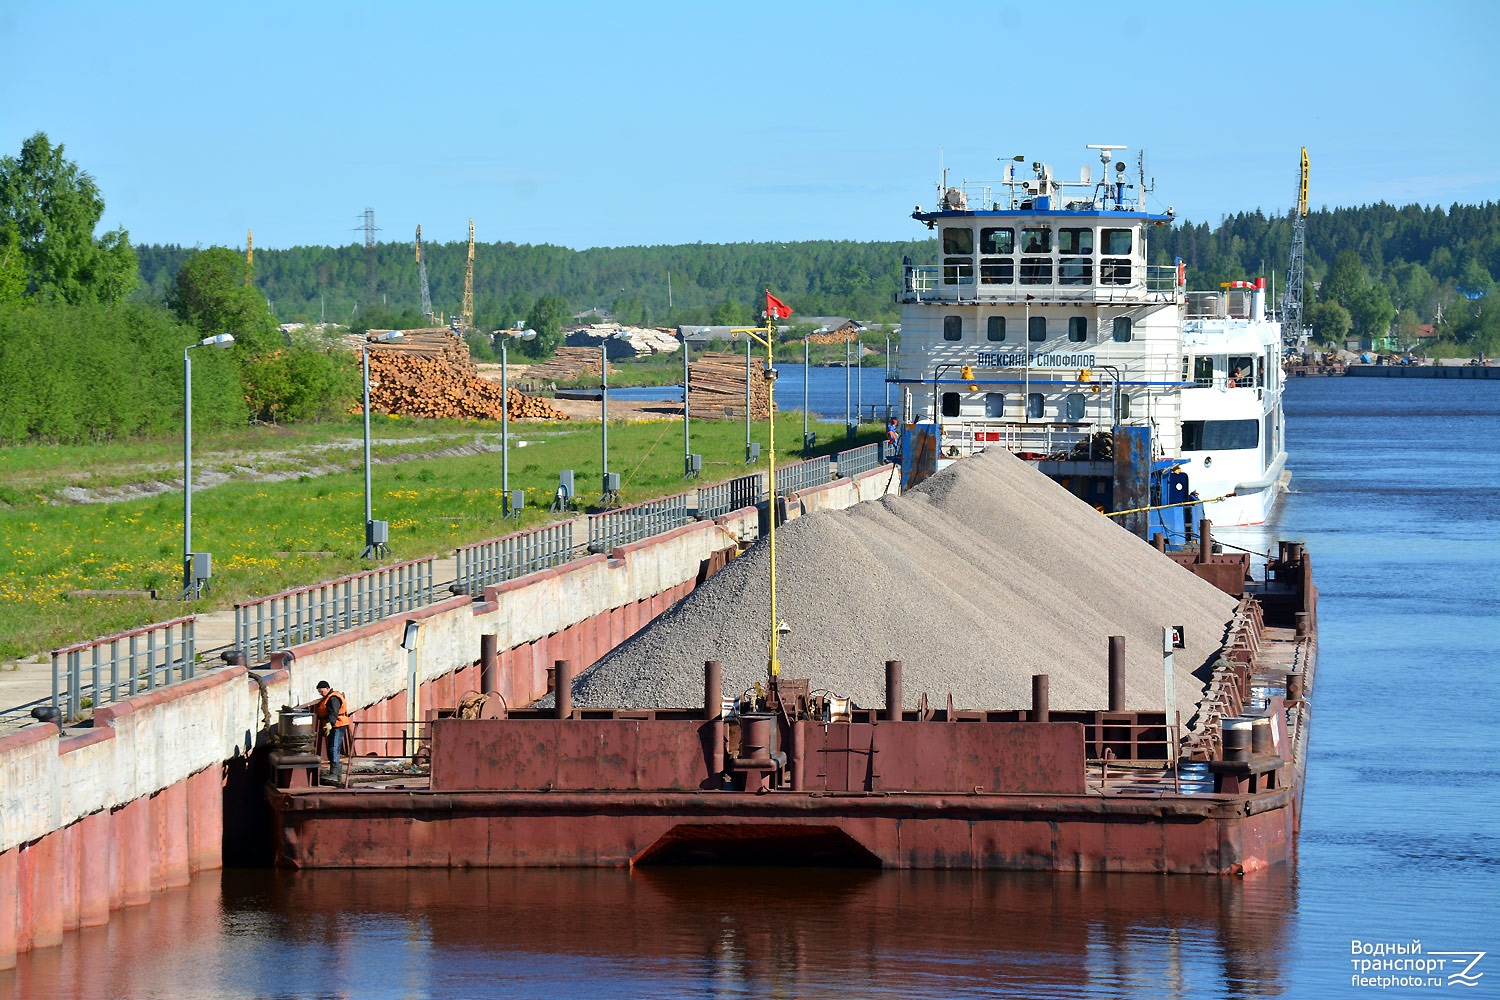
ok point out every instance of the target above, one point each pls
(773, 661)
(249, 255)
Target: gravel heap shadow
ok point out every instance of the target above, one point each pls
(983, 575)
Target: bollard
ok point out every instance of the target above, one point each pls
(564, 707)
(1304, 624)
(1237, 738)
(1260, 737)
(487, 661)
(713, 711)
(1205, 540)
(1117, 673)
(1159, 542)
(1039, 710)
(893, 690)
(1293, 688)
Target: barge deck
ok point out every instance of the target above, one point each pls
(798, 778)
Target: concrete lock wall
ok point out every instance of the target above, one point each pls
(93, 822)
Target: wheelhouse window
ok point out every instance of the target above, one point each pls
(1075, 271)
(1078, 329)
(950, 404)
(996, 329)
(1220, 435)
(953, 328)
(1203, 371)
(1036, 241)
(958, 270)
(997, 271)
(1117, 242)
(1073, 407)
(1122, 330)
(1075, 242)
(1036, 270)
(1034, 406)
(1114, 271)
(994, 404)
(996, 240)
(1122, 407)
(960, 241)
(1241, 370)
(1036, 328)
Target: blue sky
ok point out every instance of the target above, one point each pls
(609, 124)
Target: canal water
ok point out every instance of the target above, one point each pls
(1397, 494)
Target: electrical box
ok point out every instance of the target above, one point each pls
(809, 440)
(517, 499)
(752, 453)
(565, 482)
(202, 563)
(377, 532)
(611, 482)
(694, 464)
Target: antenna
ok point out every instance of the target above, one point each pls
(370, 229)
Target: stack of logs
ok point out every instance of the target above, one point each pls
(429, 373)
(570, 364)
(717, 388)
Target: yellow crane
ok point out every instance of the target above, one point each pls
(466, 314)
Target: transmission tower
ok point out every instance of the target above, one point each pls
(1292, 304)
(249, 257)
(422, 274)
(370, 230)
(466, 314)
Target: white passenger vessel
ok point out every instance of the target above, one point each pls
(1043, 330)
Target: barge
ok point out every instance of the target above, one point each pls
(791, 775)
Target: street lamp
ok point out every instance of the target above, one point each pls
(506, 508)
(197, 567)
(377, 533)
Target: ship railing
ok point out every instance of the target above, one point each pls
(955, 282)
(735, 494)
(970, 438)
(120, 666)
(613, 528)
(803, 475)
(859, 460)
(263, 625)
(496, 560)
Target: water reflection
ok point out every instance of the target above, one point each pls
(680, 932)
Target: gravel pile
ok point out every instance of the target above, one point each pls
(978, 578)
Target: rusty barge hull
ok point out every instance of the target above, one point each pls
(1227, 835)
(793, 782)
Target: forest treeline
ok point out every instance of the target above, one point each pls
(1411, 262)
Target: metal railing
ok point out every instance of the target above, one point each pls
(1038, 438)
(496, 560)
(857, 460)
(721, 498)
(800, 476)
(958, 281)
(121, 666)
(614, 528)
(265, 624)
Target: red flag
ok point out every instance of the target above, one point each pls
(775, 308)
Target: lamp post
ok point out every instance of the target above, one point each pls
(376, 532)
(196, 567)
(505, 504)
(806, 378)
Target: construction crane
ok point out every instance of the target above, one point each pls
(249, 257)
(466, 314)
(422, 275)
(1292, 305)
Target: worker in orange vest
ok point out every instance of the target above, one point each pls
(333, 713)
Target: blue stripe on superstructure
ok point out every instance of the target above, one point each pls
(1031, 381)
(1010, 213)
